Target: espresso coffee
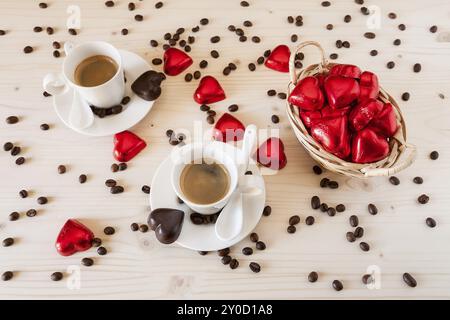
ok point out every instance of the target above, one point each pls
(204, 183)
(95, 70)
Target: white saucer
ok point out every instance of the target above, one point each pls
(132, 113)
(203, 237)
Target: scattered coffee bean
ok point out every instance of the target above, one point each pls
(188, 77)
(96, 242)
(210, 119)
(324, 182)
(56, 276)
(14, 216)
(31, 213)
(56, 54)
(234, 264)
(423, 199)
(124, 31)
(337, 285)
(317, 170)
(433, 29)
(134, 227)
(23, 193)
(326, 3)
(226, 260)
(392, 15)
(329, 26)
(7, 275)
(373, 210)
(102, 251)
(20, 161)
(333, 184)
(110, 183)
(44, 127)
(12, 120)
(72, 31)
(109, 231)
(138, 17)
(390, 65)
(397, 42)
(223, 252)
(204, 21)
(109, 4)
(256, 39)
(365, 11)
(401, 27)
(409, 280)
(260, 60)
(15, 150)
(417, 67)
(313, 276)
(233, 108)
(359, 232)
(347, 18)
(255, 267)
(434, 155)
(418, 180)
(405, 96)
(369, 35)
(394, 180)
(323, 207)
(197, 75)
(244, 4)
(309, 220)
(203, 253)
(260, 245)
(145, 189)
(8, 242)
(82, 178)
(271, 93)
(350, 236)
(157, 61)
(143, 228)
(331, 211)
(340, 208)
(247, 251)
(294, 220)
(333, 56)
(214, 54)
(49, 30)
(364, 246)
(254, 237)
(37, 29)
(2, 32)
(61, 169)
(123, 166)
(117, 189)
(373, 53)
(282, 95)
(275, 119)
(251, 66)
(159, 5)
(354, 221)
(42, 200)
(215, 39)
(267, 211)
(430, 222)
(8, 146)
(87, 262)
(291, 229)
(367, 279)
(28, 49)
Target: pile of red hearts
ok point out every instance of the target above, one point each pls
(343, 112)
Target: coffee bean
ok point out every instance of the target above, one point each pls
(392, 15)
(204, 21)
(309, 220)
(7, 275)
(347, 18)
(134, 227)
(109, 4)
(20, 161)
(96, 242)
(109, 231)
(255, 267)
(294, 220)
(418, 180)
(214, 54)
(405, 96)
(15, 150)
(226, 260)
(31, 213)
(331, 211)
(56, 276)
(390, 65)
(244, 4)
(145, 189)
(350, 236)
(42, 200)
(329, 26)
(226, 71)
(369, 35)
(367, 279)
(232, 66)
(247, 251)
(256, 39)
(417, 67)
(275, 119)
(72, 31)
(433, 29)
(143, 228)
(223, 252)
(8, 146)
(409, 280)
(373, 53)
(401, 27)
(195, 29)
(44, 127)
(197, 75)
(434, 155)
(251, 66)
(157, 61)
(234, 264)
(423, 199)
(290, 19)
(242, 38)
(28, 49)
(188, 77)
(233, 108)
(254, 237)
(8, 242)
(123, 166)
(12, 120)
(124, 31)
(56, 54)
(202, 253)
(2, 32)
(337, 285)
(260, 245)
(14, 216)
(159, 5)
(37, 29)
(323, 207)
(333, 56)
(430, 222)
(364, 246)
(340, 208)
(61, 169)
(317, 170)
(138, 17)
(394, 180)
(87, 262)
(267, 211)
(397, 42)
(333, 185)
(102, 251)
(373, 210)
(110, 183)
(282, 95)
(354, 221)
(324, 182)
(82, 178)
(365, 11)
(49, 30)
(271, 93)
(267, 53)
(239, 32)
(326, 3)
(210, 119)
(215, 39)
(359, 232)
(291, 229)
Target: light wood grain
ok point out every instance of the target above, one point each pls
(137, 266)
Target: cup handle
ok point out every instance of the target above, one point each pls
(68, 47)
(54, 83)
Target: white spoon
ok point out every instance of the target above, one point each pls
(81, 115)
(230, 221)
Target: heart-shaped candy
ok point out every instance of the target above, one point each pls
(167, 224)
(368, 147)
(127, 145)
(307, 95)
(278, 59)
(148, 85)
(346, 70)
(368, 85)
(271, 154)
(176, 61)
(73, 237)
(333, 135)
(385, 123)
(308, 117)
(328, 112)
(228, 128)
(209, 91)
(363, 113)
(341, 91)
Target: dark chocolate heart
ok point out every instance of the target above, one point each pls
(148, 85)
(166, 223)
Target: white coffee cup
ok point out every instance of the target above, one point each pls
(105, 95)
(195, 153)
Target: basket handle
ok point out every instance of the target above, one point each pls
(406, 162)
(292, 69)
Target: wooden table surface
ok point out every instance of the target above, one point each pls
(137, 266)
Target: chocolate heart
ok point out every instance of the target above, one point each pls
(176, 61)
(73, 237)
(271, 154)
(127, 145)
(228, 128)
(167, 224)
(148, 85)
(346, 70)
(333, 135)
(209, 91)
(341, 91)
(308, 117)
(328, 112)
(385, 123)
(368, 85)
(278, 59)
(307, 95)
(368, 147)
(363, 113)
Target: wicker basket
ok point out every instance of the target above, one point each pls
(401, 153)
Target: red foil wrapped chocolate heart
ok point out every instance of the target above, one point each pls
(341, 91)
(228, 128)
(309, 117)
(328, 112)
(368, 85)
(73, 237)
(368, 147)
(385, 123)
(307, 95)
(333, 135)
(271, 154)
(209, 91)
(176, 61)
(363, 113)
(278, 59)
(345, 70)
(127, 145)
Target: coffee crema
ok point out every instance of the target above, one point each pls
(204, 183)
(95, 70)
